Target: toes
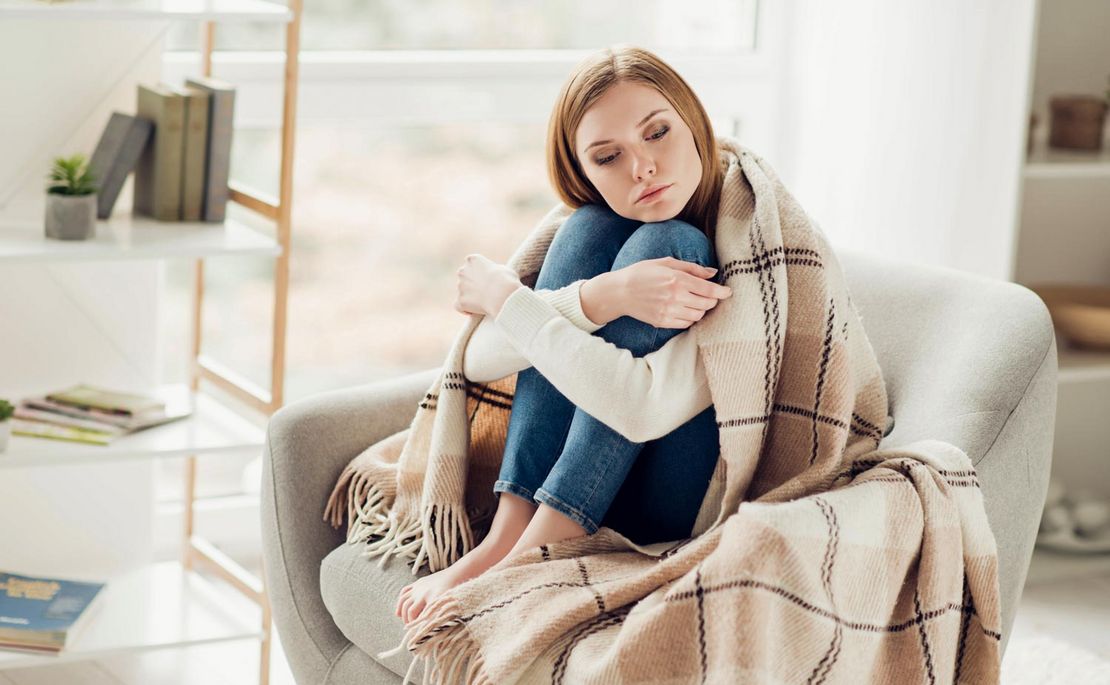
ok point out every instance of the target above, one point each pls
(415, 611)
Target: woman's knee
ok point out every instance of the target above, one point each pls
(584, 246)
(670, 238)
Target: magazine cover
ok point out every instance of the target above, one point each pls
(42, 612)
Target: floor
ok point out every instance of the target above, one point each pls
(1066, 596)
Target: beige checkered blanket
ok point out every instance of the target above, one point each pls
(818, 558)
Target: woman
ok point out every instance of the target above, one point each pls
(631, 148)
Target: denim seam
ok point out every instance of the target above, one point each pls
(574, 510)
(600, 472)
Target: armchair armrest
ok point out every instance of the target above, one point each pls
(308, 442)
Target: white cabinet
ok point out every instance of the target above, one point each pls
(1063, 227)
(88, 311)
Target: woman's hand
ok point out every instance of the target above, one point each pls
(484, 285)
(668, 292)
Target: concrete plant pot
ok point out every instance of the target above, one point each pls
(70, 217)
(5, 433)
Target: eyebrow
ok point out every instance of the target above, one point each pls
(642, 122)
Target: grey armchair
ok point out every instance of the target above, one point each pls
(966, 359)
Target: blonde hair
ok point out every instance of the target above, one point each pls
(589, 80)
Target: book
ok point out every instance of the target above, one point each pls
(117, 152)
(85, 396)
(44, 614)
(39, 429)
(28, 413)
(158, 172)
(178, 408)
(179, 404)
(196, 152)
(221, 113)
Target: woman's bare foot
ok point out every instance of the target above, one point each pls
(512, 517)
(547, 526)
(415, 596)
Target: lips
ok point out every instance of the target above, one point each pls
(654, 191)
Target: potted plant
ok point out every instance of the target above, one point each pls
(71, 200)
(6, 411)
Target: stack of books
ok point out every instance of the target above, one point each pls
(43, 614)
(178, 142)
(95, 415)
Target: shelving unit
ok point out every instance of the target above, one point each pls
(109, 284)
(155, 607)
(1063, 230)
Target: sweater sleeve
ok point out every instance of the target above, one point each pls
(490, 356)
(642, 398)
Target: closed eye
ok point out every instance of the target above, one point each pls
(654, 136)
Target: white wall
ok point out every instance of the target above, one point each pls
(70, 322)
(903, 125)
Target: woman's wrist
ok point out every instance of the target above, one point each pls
(501, 293)
(600, 297)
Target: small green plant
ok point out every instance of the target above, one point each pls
(6, 410)
(71, 176)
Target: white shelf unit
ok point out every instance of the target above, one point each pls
(205, 596)
(213, 428)
(155, 607)
(1063, 227)
(122, 236)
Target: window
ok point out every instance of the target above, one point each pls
(723, 26)
(422, 144)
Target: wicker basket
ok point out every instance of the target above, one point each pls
(1077, 122)
(1080, 312)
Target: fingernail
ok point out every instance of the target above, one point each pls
(711, 270)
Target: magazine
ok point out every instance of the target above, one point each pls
(44, 614)
(89, 397)
(42, 417)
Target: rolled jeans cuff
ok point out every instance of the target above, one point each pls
(509, 486)
(567, 510)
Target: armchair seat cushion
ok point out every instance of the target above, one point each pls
(361, 598)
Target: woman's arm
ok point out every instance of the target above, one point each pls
(642, 398)
(490, 356)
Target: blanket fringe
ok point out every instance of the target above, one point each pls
(447, 536)
(393, 542)
(362, 492)
(441, 639)
(339, 498)
(369, 513)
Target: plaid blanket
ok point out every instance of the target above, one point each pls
(816, 557)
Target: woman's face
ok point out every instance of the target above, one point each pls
(625, 147)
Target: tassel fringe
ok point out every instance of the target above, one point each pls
(395, 541)
(339, 498)
(360, 493)
(447, 534)
(441, 640)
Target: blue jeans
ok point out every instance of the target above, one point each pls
(559, 455)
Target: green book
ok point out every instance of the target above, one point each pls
(39, 429)
(158, 172)
(196, 153)
(113, 401)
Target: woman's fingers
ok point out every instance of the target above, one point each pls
(707, 288)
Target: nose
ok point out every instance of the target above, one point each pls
(642, 166)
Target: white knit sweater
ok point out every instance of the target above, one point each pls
(642, 398)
